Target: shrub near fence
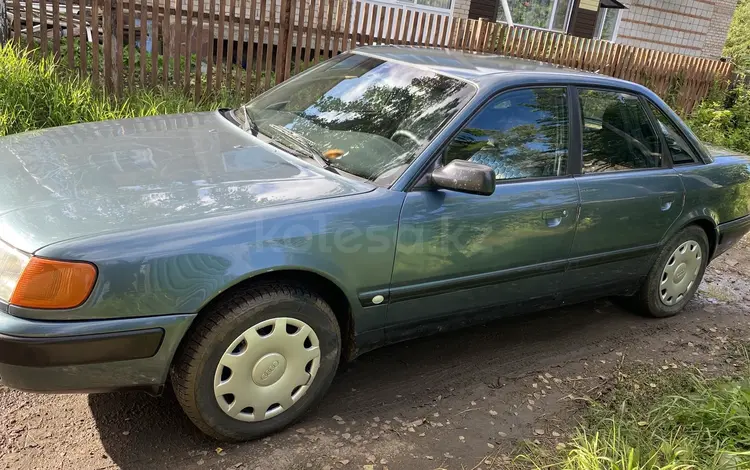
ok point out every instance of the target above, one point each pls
(185, 43)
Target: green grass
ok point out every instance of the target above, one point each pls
(37, 92)
(708, 428)
(666, 421)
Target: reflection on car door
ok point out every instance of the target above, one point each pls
(461, 252)
(629, 198)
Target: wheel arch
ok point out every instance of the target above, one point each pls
(709, 226)
(329, 290)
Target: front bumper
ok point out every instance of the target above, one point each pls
(89, 356)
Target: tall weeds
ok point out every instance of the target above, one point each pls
(36, 92)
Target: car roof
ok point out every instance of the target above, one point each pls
(486, 69)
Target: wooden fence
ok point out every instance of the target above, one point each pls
(249, 45)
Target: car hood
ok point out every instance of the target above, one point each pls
(86, 179)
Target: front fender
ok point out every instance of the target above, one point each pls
(179, 268)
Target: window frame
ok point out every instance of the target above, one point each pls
(600, 17)
(666, 158)
(435, 161)
(412, 4)
(500, 18)
(699, 156)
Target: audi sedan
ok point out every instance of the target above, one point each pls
(387, 193)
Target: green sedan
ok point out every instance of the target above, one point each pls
(388, 193)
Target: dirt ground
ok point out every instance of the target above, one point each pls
(461, 400)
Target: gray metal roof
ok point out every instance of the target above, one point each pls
(467, 65)
(490, 71)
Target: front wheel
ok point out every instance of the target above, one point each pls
(257, 361)
(676, 274)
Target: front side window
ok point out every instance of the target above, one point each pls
(678, 145)
(519, 134)
(617, 133)
(374, 115)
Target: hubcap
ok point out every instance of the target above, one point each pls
(267, 369)
(680, 272)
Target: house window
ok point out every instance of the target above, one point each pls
(440, 4)
(607, 24)
(543, 14)
(446, 4)
(428, 4)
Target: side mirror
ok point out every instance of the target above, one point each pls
(465, 177)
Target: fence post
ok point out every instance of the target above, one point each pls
(284, 20)
(114, 67)
(4, 23)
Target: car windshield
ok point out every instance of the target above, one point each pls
(366, 116)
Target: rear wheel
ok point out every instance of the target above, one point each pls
(675, 275)
(257, 361)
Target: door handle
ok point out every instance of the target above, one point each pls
(554, 218)
(666, 202)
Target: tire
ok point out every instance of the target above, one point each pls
(268, 364)
(654, 299)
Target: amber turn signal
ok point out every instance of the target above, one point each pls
(52, 284)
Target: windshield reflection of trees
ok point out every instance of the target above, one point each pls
(359, 108)
(421, 107)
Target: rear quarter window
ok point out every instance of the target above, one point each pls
(679, 146)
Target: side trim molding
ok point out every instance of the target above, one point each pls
(612, 256)
(442, 286)
(737, 224)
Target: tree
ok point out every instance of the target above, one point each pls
(4, 23)
(738, 39)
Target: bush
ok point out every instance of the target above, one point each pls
(738, 39)
(36, 92)
(724, 121)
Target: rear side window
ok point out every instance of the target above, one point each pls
(678, 145)
(617, 133)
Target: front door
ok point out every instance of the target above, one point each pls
(629, 197)
(459, 252)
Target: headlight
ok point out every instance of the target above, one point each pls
(12, 265)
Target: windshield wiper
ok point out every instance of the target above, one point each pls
(304, 144)
(250, 124)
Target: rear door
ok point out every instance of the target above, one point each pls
(630, 195)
